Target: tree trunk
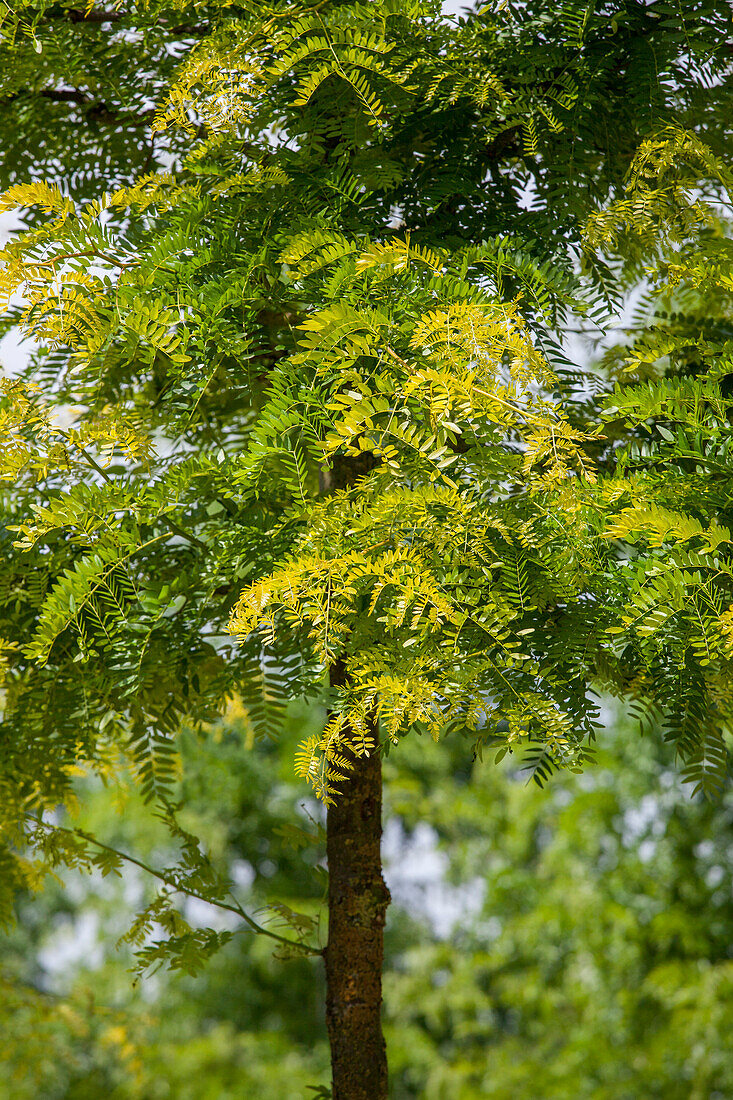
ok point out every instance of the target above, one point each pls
(357, 904)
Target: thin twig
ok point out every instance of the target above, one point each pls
(171, 524)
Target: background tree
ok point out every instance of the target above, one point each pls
(592, 960)
(307, 385)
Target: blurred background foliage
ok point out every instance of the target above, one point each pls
(567, 942)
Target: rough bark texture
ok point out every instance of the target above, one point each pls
(357, 903)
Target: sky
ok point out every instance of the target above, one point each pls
(455, 7)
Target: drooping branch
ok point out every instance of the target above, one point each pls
(175, 884)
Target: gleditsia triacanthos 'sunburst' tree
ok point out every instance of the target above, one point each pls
(296, 274)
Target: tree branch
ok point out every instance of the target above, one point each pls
(175, 884)
(99, 16)
(170, 523)
(70, 95)
(95, 109)
(96, 15)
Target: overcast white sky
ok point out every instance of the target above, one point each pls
(455, 7)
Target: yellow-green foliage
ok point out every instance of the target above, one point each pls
(671, 507)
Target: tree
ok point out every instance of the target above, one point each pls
(298, 379)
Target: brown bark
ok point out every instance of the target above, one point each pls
(357, 904)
